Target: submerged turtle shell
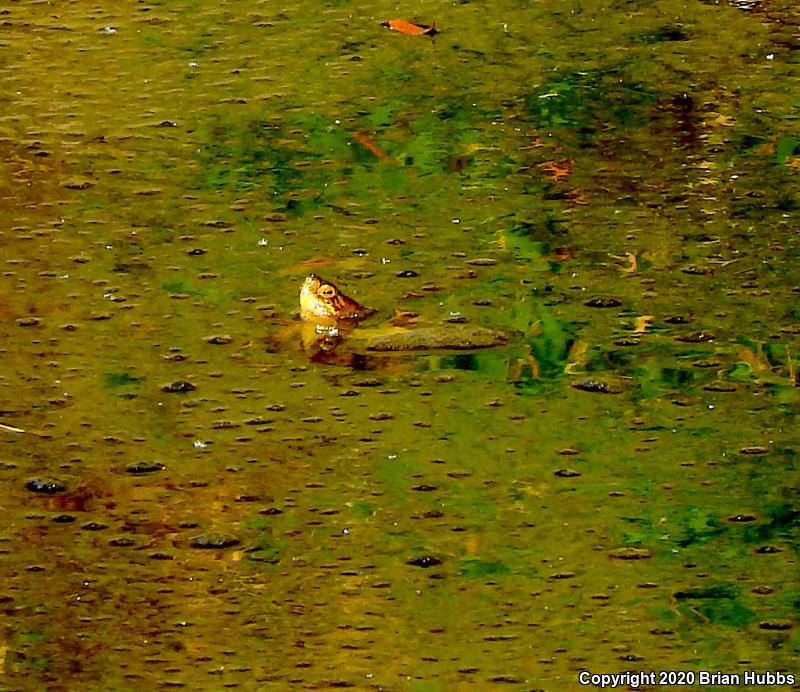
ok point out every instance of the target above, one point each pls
(451, 337)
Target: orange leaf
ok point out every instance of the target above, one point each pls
(754, 359)
(555, 170)
(404, 27)
(642, 323)
(368, 143)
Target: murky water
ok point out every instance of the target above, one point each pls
(189, 501)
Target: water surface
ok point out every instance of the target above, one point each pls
(192, 502)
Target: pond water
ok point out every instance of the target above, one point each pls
(191, 502)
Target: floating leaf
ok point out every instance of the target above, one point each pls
(401, 26)
(370, 145)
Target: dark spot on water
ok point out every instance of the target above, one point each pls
(382, 415)
(142, 467)
(219, 339)
(768, 550)
(591, 385)
(258, 421)
(566, 473)
(270, 511)
(696, 337)
(664, 33)
(160, 556)
(424, 488)
(511, 679)
(433, 514)
(629, 553)
(78, 184)
(179, 386)
(602, 303)
(94, 526)
(678, 319)
(762, 590)
(754, 450)
(406, 274)
(63, 519)
(47, 486)
(367, 382)
(194, 252)
(424, 561)
(778, 625)
(214, 541)
(742, 518)
(696, 271)
(720, 387)
(28, 322)
(706, 363)
(121, 542)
